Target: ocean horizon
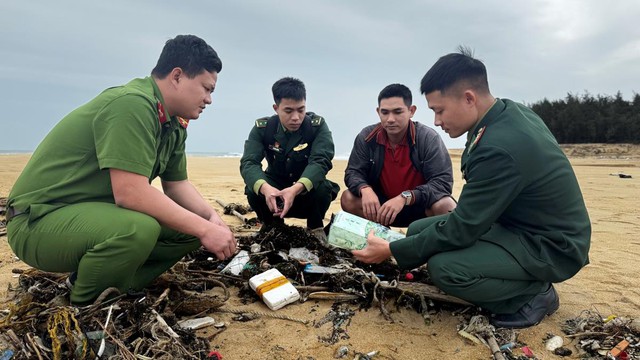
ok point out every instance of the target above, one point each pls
(220, 154)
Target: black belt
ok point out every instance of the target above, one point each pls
(11, 213)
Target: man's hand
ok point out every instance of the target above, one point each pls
(370, 203)
(288, 196)
(376, 251)
(215, 219)
(271, 195)
(389, 210)
(220, 241)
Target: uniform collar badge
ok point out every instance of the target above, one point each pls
(476, 139)
(162, 115)
(183, 122)
(300, 147)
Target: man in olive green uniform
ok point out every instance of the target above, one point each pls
(299, 148)
(521, 222)
(84, 202)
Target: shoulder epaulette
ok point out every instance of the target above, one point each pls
(262, 122)
(316, 120)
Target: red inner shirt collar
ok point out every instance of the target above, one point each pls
(383, 139)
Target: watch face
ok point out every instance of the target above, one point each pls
(406, 194)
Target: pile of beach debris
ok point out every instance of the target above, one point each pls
(38, 322)
(599, 337)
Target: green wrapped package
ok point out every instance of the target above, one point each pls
(348, 231)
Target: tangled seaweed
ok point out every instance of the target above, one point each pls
(40, 323)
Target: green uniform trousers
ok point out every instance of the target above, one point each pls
(107, 245)
(483, 274)
(312, 205)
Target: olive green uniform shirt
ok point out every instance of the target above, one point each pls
(290, 159)
(121, 128)
(520, 193)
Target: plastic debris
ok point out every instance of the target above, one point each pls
(6, 355)
(408, 276)
(198, 323)
(341, 352)
(553, 343)
(304, 256)
(237, 263)
(255, 248)
(319, 269)
(507, 346)
(619, 348)
(214, 355)
(527, 352)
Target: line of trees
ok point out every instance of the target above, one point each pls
(588, 119)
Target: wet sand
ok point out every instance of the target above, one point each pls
(606, 285)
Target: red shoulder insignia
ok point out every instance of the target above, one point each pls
(162, 116)
(477, 138)
(183, 122)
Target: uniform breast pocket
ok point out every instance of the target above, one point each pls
(299, 156)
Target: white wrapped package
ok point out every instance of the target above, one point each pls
(274, 289)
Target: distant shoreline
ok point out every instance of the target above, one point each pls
(622, 150)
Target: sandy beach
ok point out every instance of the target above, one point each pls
(607, 285)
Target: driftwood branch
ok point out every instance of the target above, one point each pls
(493, 345)
(429, 291)
(234, 212)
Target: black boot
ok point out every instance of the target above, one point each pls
(531, 313)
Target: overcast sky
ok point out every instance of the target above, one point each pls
(57, 55)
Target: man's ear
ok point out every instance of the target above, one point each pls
(470, 97)
(275, 107)
(175, 75)
(412, 110)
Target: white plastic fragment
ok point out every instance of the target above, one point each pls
(236, 264)
(554, 342)
(198, 323)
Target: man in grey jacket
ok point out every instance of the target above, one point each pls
(399, 170)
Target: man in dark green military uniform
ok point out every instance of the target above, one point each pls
(299, 148)
(521, 223)
(84, 202)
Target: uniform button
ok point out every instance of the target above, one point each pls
(288, 159)
(290, 175)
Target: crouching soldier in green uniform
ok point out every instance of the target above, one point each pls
(521, 223)
(84, 202)
(299, 148)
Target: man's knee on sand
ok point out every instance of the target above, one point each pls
(442, 206)
(351, 203)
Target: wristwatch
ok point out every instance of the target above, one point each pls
(407, 196)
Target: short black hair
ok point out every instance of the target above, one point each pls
(288, 88)
(396, 90)
(454, 68)
(188, 52)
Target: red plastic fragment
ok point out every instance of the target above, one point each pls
(214, 355)
(527, 352)
(408, 276)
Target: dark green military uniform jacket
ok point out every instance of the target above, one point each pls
(290, 157)
(521, 193)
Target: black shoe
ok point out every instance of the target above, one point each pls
(531, 313)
